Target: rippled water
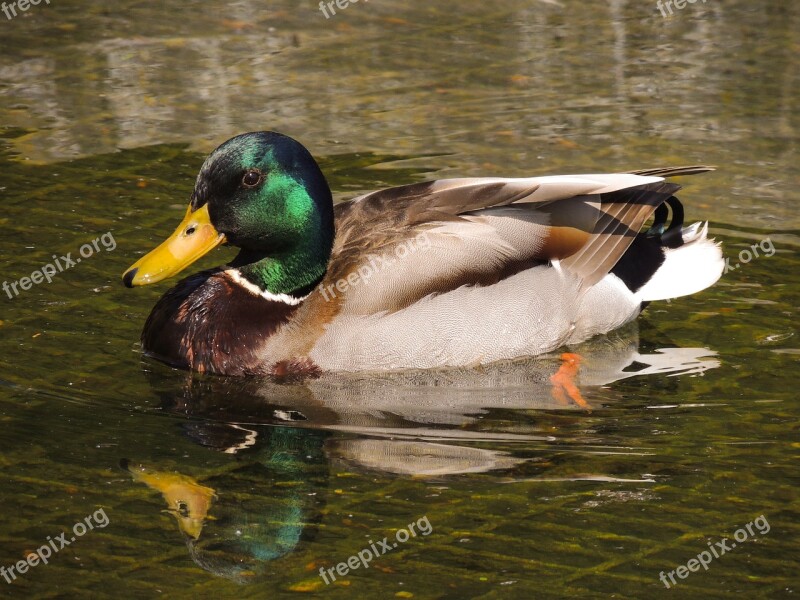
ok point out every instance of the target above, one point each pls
(246, 488)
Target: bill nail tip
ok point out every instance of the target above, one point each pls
(127, 279)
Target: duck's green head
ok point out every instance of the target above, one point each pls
(264, 193)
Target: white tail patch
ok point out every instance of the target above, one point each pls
(692, 267)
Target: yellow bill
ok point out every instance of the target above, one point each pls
(186, 499)
(193, 238)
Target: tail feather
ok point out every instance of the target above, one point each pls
(687, 269)
(674, 171)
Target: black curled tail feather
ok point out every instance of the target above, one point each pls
(646, 254)
(670, 235)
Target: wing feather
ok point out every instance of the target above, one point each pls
(480, 230)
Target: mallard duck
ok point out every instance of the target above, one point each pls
(454, 272)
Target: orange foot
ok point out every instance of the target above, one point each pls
(564, 387)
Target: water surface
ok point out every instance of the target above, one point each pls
(229, 488)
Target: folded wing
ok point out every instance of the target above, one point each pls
(430, 238)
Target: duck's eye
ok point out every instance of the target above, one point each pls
(183, 508)
(251, 178)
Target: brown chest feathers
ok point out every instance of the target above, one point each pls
(208, 323)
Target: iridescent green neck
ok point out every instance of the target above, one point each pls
(296, 249)
(294, 273)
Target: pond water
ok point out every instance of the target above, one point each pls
(180, 485)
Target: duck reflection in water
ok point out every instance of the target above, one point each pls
(285, 437)
(238, 520)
